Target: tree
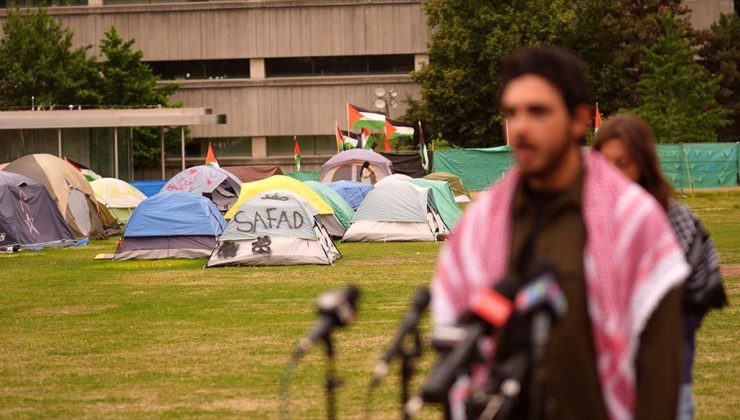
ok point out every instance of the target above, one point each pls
(37, 60)
(721, 57)
(677, 95)
(125, 81)
(469, 39)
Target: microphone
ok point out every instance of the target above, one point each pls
(491, 309)
(336, 308)
(419, 304)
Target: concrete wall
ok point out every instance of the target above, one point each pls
(706, 12)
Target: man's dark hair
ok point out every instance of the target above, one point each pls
(563, 70)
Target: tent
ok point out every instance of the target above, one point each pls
(70, 190)
(149, 187)
(444, 200)
(28, 214)
(342, 209)
(215, 183)
(283, 182)
(462, 195)
(120, 197)
(348, 166)
(398, 211)
(171, 225)
(352, 192)
(393, 178)
(275, 228)
(249, 173)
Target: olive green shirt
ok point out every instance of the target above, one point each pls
(549, 227)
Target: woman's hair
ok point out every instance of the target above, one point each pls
(639, 139)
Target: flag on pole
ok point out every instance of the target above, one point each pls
(395, 130)
(364, 118)
(423, 153)
(367, 139)
(88, 173)
(344, 139)
(211, 157)
(597, 119)
(297, 154)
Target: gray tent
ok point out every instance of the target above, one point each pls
(396, 211)
(275, 228)
(28, 214)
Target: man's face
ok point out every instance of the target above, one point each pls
(541, 131)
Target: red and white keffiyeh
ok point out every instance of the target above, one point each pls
(631, 261)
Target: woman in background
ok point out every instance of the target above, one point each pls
(627, 141)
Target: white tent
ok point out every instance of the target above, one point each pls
(275, 228)
(394, 212)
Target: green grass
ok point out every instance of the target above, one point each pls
(84, 338)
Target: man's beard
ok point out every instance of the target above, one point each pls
(554, 159)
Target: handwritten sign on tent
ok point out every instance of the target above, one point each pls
(275, 213)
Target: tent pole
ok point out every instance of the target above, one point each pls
(115, 152)
(59, 141)
(161, 146)
(182, 147)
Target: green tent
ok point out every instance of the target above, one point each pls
(444, 199)
(342, 210)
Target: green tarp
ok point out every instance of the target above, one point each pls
(305, 176)
(444, 199)
(342, 210)
(705, 165)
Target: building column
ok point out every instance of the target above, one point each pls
(257, 68)
(259, 147)
(95, 2)
(420, 60)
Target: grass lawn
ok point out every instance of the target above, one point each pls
(84, 338)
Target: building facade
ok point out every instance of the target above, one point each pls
(277, 68)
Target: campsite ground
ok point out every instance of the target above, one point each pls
(84, 338)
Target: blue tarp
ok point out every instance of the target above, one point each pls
(352, 192)
(149, 187)
(175, 214)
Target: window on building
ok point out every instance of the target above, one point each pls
(321, 145)
(36, 3)
(201, 69)
(339, 65)
(223, 147)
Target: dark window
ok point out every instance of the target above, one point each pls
(201, 69)
(222, 147)
(310, 145)
(339, 65)
(35, 3)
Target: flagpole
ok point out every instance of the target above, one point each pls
(506, 128)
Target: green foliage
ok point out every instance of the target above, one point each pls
(37, 59)
(721, 57)
(469, 39)
(677, 95)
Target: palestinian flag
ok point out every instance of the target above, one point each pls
(597, 119)
(211, 157)
(367, 139)
(88, 173)
(297, 154)
(362, 118)
(423, 152)
(395, 130)
(344, 139)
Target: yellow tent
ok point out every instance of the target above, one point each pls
(280, 182)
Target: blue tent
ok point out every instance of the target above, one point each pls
(352, 192)
(172, 225)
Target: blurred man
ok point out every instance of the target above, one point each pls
(617, 352)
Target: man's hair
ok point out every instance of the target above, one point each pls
(638, 137)
(563, 70)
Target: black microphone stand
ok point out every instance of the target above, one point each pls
(408, 358)
(332, 381)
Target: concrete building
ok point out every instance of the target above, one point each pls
(276, 68)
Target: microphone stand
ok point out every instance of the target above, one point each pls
(332, 381)
(408, 357)
(541, 322)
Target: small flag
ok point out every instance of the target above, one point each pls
(395, 130)
(345, 141)
(597, 119)
(297, 154)
(363, 118)
(367, 139)
(88, 173)
(211, 157)
(423, 152)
